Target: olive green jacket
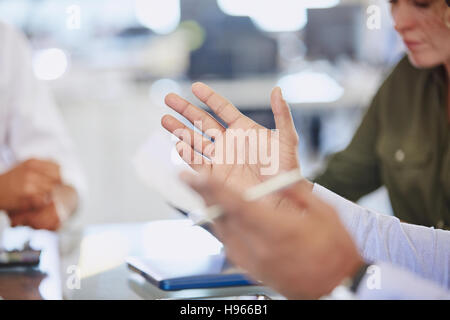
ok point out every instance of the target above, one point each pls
(402, 143)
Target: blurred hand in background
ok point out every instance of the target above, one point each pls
(33, 194)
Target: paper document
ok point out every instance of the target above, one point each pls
(158, 165)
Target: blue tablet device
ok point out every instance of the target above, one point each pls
(189, 272)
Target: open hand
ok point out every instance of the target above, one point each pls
(218, 151)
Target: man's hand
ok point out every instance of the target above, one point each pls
(50, 217)
(28, 185)
(212, 155)
(303, 254)
(43, 218)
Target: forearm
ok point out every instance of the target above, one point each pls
(424, 251)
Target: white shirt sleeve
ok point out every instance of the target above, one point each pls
(36, 128)
(387, 282)
(381, 238)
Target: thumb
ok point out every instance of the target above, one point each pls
(283, 117)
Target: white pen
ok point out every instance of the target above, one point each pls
(277, 183)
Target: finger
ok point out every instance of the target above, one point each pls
(194, 159)
(39, 200)
(247, 229)
(247, 242)
(19, 218)
(36, 190)
(37, 183)
(301, 195)
(194, 139)
(239, 249)
(47, 168)
(45, 218)
(221, 106)
(283, 117)
(203, 184)
(250, 214)
(198, 117)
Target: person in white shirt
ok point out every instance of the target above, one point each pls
(296, 243)
(40, 180)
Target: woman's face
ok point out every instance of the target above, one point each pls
(422, 26)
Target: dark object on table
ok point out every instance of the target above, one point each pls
(19, 258)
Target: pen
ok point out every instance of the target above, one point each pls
(257, 192)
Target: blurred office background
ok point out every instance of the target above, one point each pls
(110, 63)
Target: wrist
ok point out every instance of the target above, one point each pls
(353, 281)
(307, 184)
(341, 274)
(348, 274)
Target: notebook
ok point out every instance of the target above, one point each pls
(197, 272)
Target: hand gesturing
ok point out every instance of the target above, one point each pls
(244, 153)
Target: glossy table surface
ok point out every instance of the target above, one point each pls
(98, 263)
(104, 248)
(41, 282)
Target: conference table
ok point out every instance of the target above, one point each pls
(37, 283)
(95, 268)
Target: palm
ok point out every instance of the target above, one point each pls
(236, 172)
(246, 174)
